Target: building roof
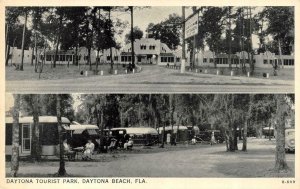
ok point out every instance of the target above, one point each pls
(166, 54)
(126, 53)
(60, 52)
(226, 56)
(169, 128)
(42, 119)
(77, 126)
(138, 130)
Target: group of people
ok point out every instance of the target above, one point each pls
(87, 150)
(126, 144)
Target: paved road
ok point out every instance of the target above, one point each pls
(153, 79)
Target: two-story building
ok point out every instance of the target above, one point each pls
(146, 51)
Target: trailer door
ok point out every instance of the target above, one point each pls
(26, 139)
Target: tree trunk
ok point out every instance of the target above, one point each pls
(140, 110)
(36, 147)
(229, 38)
(57, 42)
(280, 53)
(32, 57)
(280, 161)
(15, 148)
(245, 136)
(23, 42)
(62, 170)
(163, 136)
(235, 140)
(35, 48)
(89, 58)
(6, 44)
(76, 55)
(7, 55)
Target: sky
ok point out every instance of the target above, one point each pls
(154, 14)
(157, 14)
(143, 17)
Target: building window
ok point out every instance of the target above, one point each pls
(108, 58)
(123, 58)
(170, 59)
(177, 59)
(164, 59)
(152, 47)
(285, 62)
(265, 61)
(292, 62)
(116, 58)
(211, 60)
(204, 60)
(271, 61)
(226, 61)
(143, 47)
(48, 57)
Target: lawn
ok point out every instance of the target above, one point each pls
(198, 161)
(282, 74)
(61, 72)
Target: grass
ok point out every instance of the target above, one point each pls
(60, 72)
(283, 74)
(257, 162)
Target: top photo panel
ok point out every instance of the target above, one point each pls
(128, 49)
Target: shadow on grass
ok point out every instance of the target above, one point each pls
(250, 169)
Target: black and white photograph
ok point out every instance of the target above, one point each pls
(150, 135)
(158, 94)
(149, 49)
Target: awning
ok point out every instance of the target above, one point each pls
(78, 131)
(92, 132)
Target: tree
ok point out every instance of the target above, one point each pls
(247, 120)
(213, 26)
(59, 16)
(31, 105)
(167, 31)
(282, 112)
(72, 36)
(137, 34)
(62, 170)
(37, 13)
(280, 26)
(26, 11)
(15, 148)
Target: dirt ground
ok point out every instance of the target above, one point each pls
(60, 72)
(197, 161)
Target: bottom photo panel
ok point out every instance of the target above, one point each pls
(149, 135)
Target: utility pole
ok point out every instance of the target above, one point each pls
(182, 69)
(251, 48)
(132, 40)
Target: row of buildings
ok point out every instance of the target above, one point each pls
(152, 51)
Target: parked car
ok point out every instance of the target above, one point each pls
(206, 136)
(290, 140)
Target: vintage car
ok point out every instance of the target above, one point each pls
(290, 140)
